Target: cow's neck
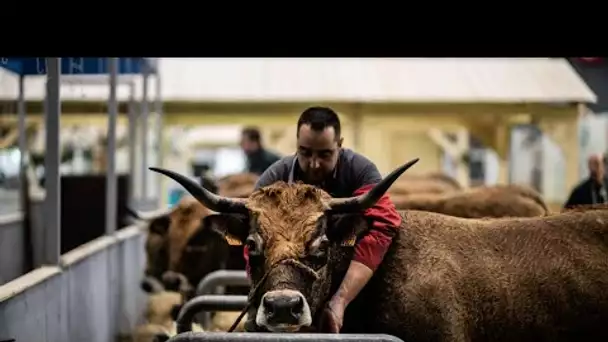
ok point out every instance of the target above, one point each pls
(357, 315)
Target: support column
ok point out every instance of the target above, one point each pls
(563, 131)
(144, 132)
(501, 147)
(111, 149)
(22, 134)
(52, 202)
(132, 129)
(158, 108)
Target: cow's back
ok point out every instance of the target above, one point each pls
(475, 203)
(528, 279)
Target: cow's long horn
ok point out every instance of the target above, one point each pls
(365, 201)
(206, 197)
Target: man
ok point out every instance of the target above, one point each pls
(321, 161)
(258, 158)
(593, 189)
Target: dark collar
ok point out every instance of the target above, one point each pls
(295, 167)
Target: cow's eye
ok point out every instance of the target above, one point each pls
(319, 247)
(254, 246)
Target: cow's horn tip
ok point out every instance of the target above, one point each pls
(155, 169)
(413, 161)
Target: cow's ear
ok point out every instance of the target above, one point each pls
(345, 229)
(160, 225)
(233, 228)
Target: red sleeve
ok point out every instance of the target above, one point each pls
(386, 220)
(246, 257)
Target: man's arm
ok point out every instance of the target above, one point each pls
(386, 220)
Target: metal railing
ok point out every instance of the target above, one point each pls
(215, 279)
(274, 337)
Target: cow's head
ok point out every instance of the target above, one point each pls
(203, 252)
(156, 247)
(295, 235)
(175, 239)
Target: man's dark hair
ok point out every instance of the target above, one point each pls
(253, 134)
(320, 118)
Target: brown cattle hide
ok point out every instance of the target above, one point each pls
(513, 279)
(238, 185)
(185, 220)
(166, 242)
(181, 251)
(490, 201)
(436, 183)
(443, 278)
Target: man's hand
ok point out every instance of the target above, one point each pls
(333, 316)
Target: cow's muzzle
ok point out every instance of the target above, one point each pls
(176, 282)
(283, 311)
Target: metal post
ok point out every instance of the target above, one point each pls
(144, 128)
(132, 127)
(158, 108)
(207, 303)
(21, 127)
(216, 279)
(111, 149)
(52, 202)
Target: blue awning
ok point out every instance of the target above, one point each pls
(77, 65)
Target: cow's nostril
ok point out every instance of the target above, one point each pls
(283, 308)
(297, 308)
(171, 281)
(268, 305)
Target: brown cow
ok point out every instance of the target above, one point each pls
(181, 252)
(159, 316)
(156, 248)
(436, 183)
(487, 201)
(168, 236)
(196, 251)
(237, 185)
(443, 279)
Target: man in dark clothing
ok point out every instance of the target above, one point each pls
(593, 189)
(321, 161)
(258, 158)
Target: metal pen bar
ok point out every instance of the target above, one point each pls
(52, 202)
(21, 128)
(132, 128)
(158, 108)
(144, 132)
(111, 198)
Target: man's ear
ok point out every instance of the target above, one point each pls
(231, 227)
(340, 142)
(346, 229)
(160, 225)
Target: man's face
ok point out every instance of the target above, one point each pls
(317, 152)
(248, 145)
(596, 167)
